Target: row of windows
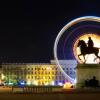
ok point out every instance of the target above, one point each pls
(71, 72)
(38, 72)
(41, 73)
(47, 77)
(55, 68)
(31, 68)
(45, 73)
(32, 73)
(36, 77)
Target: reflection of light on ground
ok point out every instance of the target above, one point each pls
(89, 57)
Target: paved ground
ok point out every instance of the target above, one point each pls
(85, 94)
(51, 96)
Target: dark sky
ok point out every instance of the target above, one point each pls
(28, 28)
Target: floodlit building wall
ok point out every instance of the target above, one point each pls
(37, 73)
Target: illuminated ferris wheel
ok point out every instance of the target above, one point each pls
(67, 42)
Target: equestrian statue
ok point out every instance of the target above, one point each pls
(87, 48)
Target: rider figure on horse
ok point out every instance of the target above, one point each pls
(88, 48)
(90, 43)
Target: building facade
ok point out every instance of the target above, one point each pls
(36, 73)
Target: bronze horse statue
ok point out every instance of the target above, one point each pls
(87, 50)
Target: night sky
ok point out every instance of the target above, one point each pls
(28, 28)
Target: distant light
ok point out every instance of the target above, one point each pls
(2, 76)
(22, 83)
(48, 68)
(28, 82)
(10, 83)
(52, 83)
(46, 84)
(60, 84)
(67, 85)
(35, 82)
(0, 82)
(75, 81)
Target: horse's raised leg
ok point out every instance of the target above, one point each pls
(83, 57)
(79, 56)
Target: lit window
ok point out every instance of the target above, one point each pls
(28, 77)
(25, 69)
(56, 72)
(71, 72)
(38, 68)
(56, 77)
(53, 68)
(63, 68)
(74, 68)
(28, 68)
(60, 77)
(42, 69)
(52, 77)
(35, 77)
(66, 68)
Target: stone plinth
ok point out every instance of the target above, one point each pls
(86, 71)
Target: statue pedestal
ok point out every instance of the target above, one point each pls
(85, 72)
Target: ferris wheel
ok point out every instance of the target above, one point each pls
(65, 46)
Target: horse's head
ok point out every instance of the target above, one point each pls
(79, 43)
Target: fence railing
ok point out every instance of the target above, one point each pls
(36, 89)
